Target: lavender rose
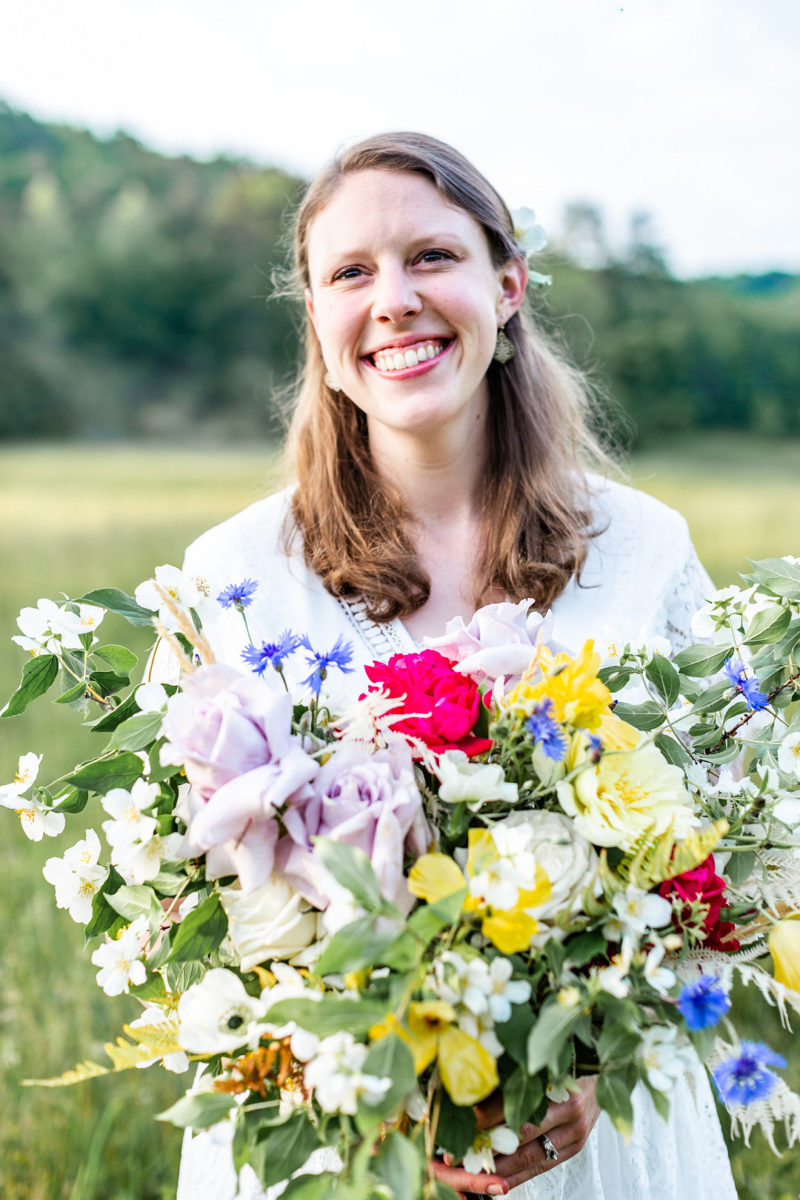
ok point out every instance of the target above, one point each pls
(367, 800)
(497, 644)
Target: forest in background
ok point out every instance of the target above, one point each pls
(135, 301)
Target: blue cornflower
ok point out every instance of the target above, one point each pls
(736, 671)
(238, 594)
(545, 729)
(338, 656)
(595, 747)
(271, 654)
(703, 1002)
(746, 1077)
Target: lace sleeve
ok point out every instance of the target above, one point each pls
(691, 587)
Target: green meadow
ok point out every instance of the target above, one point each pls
(77, 517)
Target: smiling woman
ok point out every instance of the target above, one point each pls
(441, 449)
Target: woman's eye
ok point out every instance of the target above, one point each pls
(434, 256)
(347, 273)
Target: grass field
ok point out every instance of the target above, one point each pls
(74, 518)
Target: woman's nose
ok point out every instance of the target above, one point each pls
(395, 297)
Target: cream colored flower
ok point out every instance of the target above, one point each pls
(625, 795)
(272, 921)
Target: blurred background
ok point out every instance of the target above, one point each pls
(150, 158)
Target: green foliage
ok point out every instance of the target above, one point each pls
(201, 932)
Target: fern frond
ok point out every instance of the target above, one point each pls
(655, 859)
(149, 1042)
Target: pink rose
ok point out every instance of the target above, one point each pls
(443, 706)
(367, 800)
(497, 644)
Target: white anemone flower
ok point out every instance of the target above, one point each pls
(118, 959)
(666, 1057)
(126, 808)
(480, 1156)
(77, 877)
(475, 783)
(50, 627)
(217, 1015)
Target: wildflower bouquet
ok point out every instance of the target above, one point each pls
(506, 866)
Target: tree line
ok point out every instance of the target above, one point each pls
(136, 300)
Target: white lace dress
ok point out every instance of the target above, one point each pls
(641, 579)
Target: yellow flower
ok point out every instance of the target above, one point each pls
(784, 945)
(578, 696)
(625, 795)
(435, 876)
(468, 1071)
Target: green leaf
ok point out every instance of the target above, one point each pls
(739, 866)
(70, 800)
(426, 923)
(105, 919)
(198, 1111)
(701, 660)
(390, 1058)
(352, 869)
(310, 1187)
(38, 675)
(135, 900)
(522, 1096)
(660, 1100)
(641, 716)
(137, 732)
(152, 990)
(664, 677)
(552, 1029)
(120, 603)
(768, 626)
(180, 976)
(283, 1149)
(400, 1164)
(115, 716)
(613, 1093)
(355, 947)
(513, 1034)
(778, 576)
(103, 774)
(457, 1127)
(330, 1014)
(614, 677)
(674, 751)
(119, 658)
(76, 692)
(584, 946)
(617, 1043)
(200, 932)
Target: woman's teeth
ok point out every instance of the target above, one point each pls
(397, 360)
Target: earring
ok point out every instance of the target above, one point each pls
(504, 349)
(331, 382)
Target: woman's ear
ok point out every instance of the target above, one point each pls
(310, 309)
(513, 280)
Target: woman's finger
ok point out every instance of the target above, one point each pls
(463, 1181)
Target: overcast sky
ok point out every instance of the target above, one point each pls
(686, 108)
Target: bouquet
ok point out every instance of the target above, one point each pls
(506, 866)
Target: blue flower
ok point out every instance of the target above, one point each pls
(545, 729)
(238, 594)
(746, 1077)
(703, 1002)
(339, 656)
(736, 671)
(271, 654)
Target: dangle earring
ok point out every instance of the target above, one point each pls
(504, 349)
(331, 382)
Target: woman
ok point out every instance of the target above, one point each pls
(440, 451)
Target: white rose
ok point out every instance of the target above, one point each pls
(272, 921)
(568, 859)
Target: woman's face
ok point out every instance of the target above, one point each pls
(406, 302)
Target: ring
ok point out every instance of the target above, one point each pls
(550, 1152)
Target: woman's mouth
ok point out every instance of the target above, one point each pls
(404, 358)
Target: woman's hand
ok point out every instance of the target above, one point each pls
(567, 1125)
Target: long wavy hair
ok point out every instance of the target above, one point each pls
(535, 515)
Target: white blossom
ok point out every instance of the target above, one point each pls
(636, 911)
(660, 978)
(50, 627)
(475, 783)
(789, 755)
(336, 1078)
(118, 959)
(186, 592)
(127, 808)
(151, 697)
(217, 1015)
(77, 877)
(488, 1142)
(666, 1057)
(37, 819)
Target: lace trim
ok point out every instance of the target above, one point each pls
(382, 640)
(692, 588)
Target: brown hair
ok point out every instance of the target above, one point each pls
(535, 518)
